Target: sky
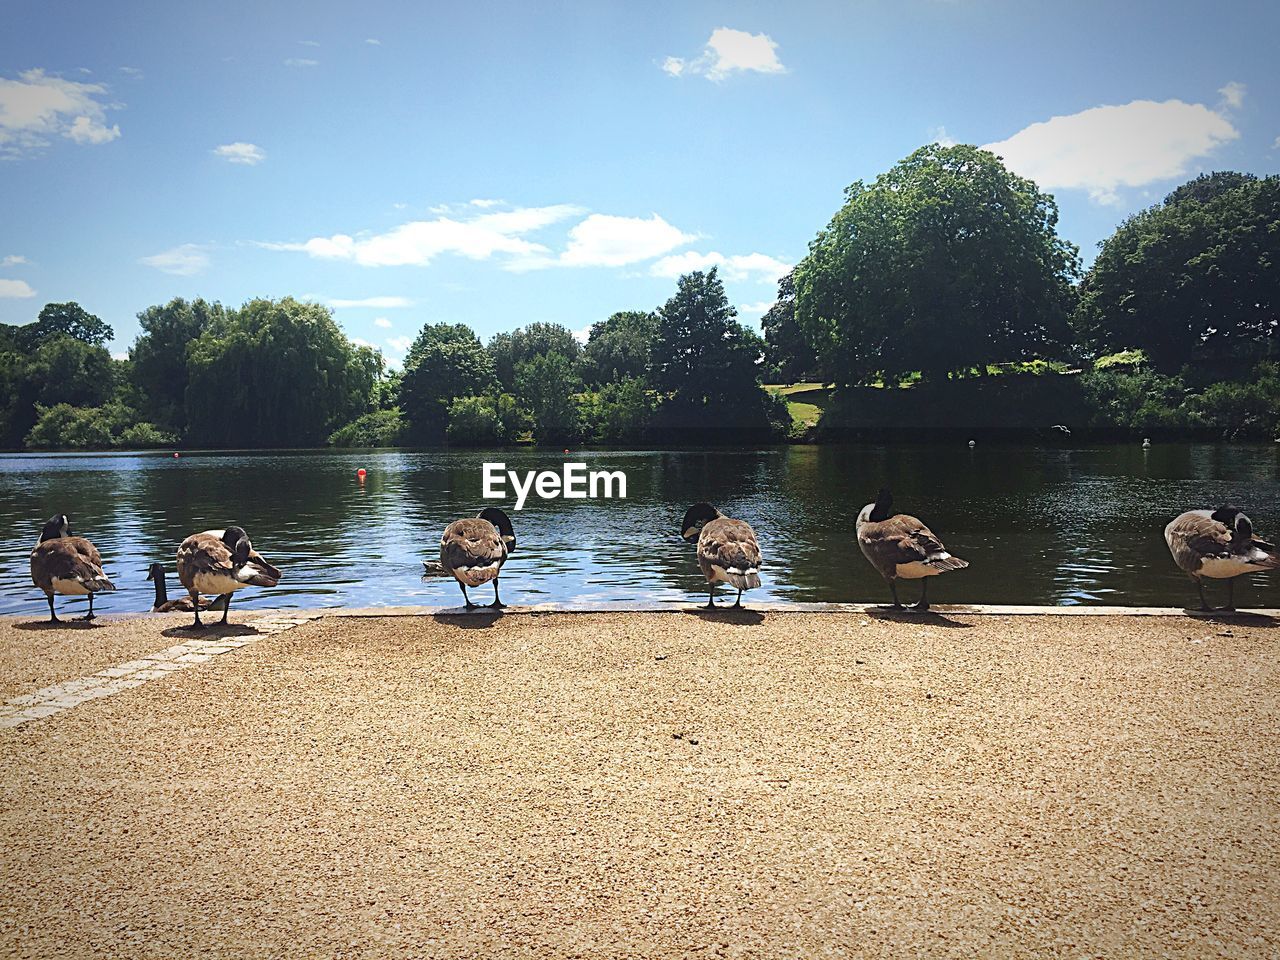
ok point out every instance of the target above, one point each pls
(497, 164)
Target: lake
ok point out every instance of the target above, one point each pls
(1039, 524)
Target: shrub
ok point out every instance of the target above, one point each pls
(381, 428)
(141, 436)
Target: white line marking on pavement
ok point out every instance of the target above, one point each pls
(125, 676)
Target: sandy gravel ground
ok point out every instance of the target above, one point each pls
(776, 785)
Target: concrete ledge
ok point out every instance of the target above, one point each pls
(976, 610)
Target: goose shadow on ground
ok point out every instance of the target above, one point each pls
(738, 616)
(481, 618)
(926, 618)
(1239, 618)
(60, 625)
(211, 630)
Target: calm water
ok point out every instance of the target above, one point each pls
(1038, 524)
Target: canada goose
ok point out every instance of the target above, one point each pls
(473, 551)
(727, 549)
(178, 604)
(221, 562)
(899, 545)
(66, 564)
(1218, 544)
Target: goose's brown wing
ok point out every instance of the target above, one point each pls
(729, 543)
(202, 553)
(471, 543)
(900, 539)
(68, 558)
(1193, 536)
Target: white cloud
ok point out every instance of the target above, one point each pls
(751, 266)
(309, 43)
(374, 303)
(15, 288)
(301, 62)
(420, 241)
(36, 107)
(1276, 144)
(940, 136)
(484, 204)
(241, 152)
(120, 355)
(583, 335)
(755, 309)
(728, 52)
(606, 241)
(132, 73)
(1233, 95)
(12, 260)
(382, 322)
(400, 344)
(185, 260)
(373, 43)
(359, 342)
(1105, 148)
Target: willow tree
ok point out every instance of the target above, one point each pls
(947, 262)
(275, 373)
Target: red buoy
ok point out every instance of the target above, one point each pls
(176, 455)
(361, 474)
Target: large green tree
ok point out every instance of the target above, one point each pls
(944, 263)
(445, 362)
(618, 348)
(509, 350)
(276, 373)
(159, 355)
(546, 383)
(65, 320)
(1194, 280)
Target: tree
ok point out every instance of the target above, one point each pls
(1195, 280)
(509, 350)
(71, 371)
(945, 263)
(547, 384)
(64, 319)
(706, 366)
(618, 348)
(159, 355)
(788, 350)
(446, 361)
(277, 373)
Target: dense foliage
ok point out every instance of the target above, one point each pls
(944, 267)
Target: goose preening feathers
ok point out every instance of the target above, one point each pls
(220, 562)
(163, 604)
(1219, 544)
(727, 549)
(899, 545)
(474, 549)
(66, 564)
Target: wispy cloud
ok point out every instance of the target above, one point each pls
(421, 241)
(1106, 148)
(185, 260)
(301, 62)
(133, 73)
(940, 136)
(382, 322)
(750, 266)
(375, 303)
(13, 260)
(728, 52)
(240, 152)
(755, 309)
(485, 204)
(400, 344)
(373, 43)
(1233, 95)
(15, 289)
(37, 107)
(309, 43)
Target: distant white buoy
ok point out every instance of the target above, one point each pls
(972, 444)
(1146, 443)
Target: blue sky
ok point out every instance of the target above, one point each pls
(499, 164)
